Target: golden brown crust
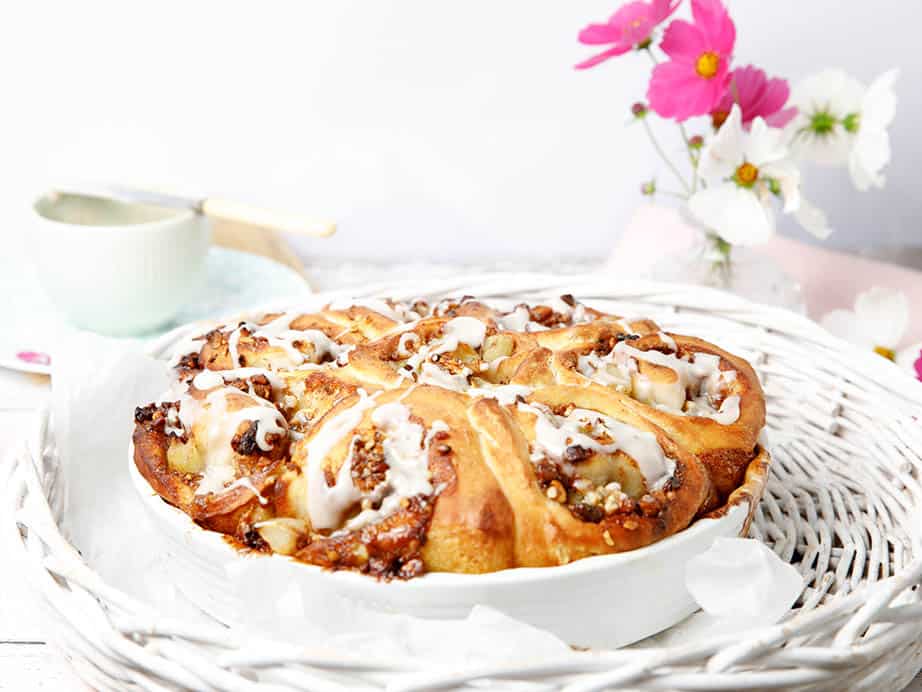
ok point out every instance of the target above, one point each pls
(486, 493)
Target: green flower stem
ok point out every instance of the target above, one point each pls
(694, 162)
(691, 157)
(722, 266)
(722, 246)
(662, 154)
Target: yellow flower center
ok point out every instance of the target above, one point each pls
(887, 353)
(707, 64)
(746, 174)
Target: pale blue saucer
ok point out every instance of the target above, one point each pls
(234, 281)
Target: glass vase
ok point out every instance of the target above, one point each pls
(741, 270)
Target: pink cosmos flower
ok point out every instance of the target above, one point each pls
(696, 76)
(757, 96)
(918, 367)
(629, 27)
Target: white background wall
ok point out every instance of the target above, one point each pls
(427, 128)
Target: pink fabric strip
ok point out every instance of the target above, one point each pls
(829, 279)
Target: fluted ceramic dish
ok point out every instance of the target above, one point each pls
(603, 601)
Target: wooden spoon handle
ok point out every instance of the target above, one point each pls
(266, 218)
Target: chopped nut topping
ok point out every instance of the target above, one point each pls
(607, 538)
(368, 465)
(556, 492)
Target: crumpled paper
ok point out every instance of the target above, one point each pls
(742, 583)
(277, 605)
(97, 383)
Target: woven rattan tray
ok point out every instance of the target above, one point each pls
(842, 504)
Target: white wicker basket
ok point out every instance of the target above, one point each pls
(842, 504)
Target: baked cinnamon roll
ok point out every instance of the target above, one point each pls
(395, 439)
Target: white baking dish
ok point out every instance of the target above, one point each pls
(604, 601)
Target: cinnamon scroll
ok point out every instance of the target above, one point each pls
(399, 438)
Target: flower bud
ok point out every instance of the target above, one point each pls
(639, 110)
(851, 122)
(648, 188)
(695, 142)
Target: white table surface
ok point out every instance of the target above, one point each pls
(26, 662)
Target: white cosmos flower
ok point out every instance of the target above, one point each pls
(871, 149)
(840, 121)
(744, 172)
(813, 219)
(877, 323)
(824, 101)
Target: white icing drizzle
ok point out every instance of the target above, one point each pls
(560, 307)
(603, 370)
(553, 434)
(505, 394)
(443, 305)
(278, 333)
(398, 312)
(189, 344)
(247, 482)
(173, 425)
(405, 339)
(519, 320)
(460, 330)
(219, 467)
(668, 340)
(516, 321)
(326, 505)
(232, 346)
(209, 379)
(343, 357)
(430, 373)
(406, 452)
(698, 382)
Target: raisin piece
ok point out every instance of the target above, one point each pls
(574, 454)
(590, 513)
(254, 541)
(143, 414)
(245, 444)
